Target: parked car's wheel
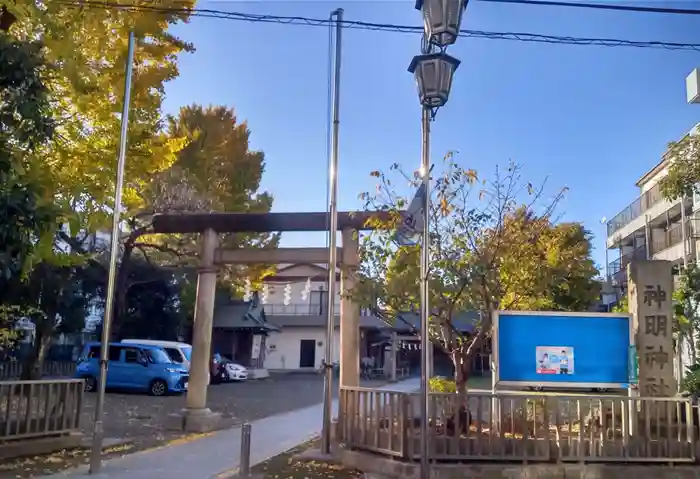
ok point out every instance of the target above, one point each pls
(158, 388)
(90, 384)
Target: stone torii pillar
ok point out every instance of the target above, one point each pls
(197, 417)
(349, 312)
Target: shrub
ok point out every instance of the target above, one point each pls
(442, 385)
(691, 380)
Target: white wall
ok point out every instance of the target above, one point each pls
(284, 347)
(654, 180)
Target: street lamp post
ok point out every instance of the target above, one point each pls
(434, 70)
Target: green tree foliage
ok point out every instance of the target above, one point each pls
(84, 58)
(622, 306)
(85, 48)
(153, 303)
(25, 127)
(684, 171)
(687, 309)
(60, 296)
(216, 170)
(493, 245)
(220, 166)
(691, 381)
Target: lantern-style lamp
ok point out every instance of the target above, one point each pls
(434, 73)
(442, 19)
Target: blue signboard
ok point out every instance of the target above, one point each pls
(588, 350)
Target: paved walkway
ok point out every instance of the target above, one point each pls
(213, 456)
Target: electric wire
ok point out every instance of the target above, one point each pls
(361, 25)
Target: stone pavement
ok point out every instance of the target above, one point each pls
(217, 455)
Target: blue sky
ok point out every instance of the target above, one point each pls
(590, 118)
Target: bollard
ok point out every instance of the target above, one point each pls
(245, 450)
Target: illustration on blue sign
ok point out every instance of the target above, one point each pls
(555, 360)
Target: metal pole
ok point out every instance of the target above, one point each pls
(425, 307)
(647, 238)
(244, 469)
(97, 428)
(332, 253)
(607, 267)
(684, 235)
(679, 339)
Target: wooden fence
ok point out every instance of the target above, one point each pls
(520, 427)
(39, 409)
(12, 370)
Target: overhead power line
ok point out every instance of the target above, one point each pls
(603, 6)
(360, 25)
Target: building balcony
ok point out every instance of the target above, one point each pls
(305, 309)
(665, 245)
(635, 210)
(618, 268)
(659, 216)
(663, 240)
(300, 309)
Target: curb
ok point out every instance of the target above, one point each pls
(231, 473)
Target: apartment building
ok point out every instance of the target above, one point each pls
(651, 227)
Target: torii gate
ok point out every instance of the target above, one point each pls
(197, 417)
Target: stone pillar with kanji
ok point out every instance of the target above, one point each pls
(651, 305)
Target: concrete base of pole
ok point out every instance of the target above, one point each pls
(194, 420)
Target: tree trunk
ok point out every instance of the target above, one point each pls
(693, 346)
(33, 367)
(459, 420)
(121, 290)
(462, 365)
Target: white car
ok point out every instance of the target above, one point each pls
(235, 372)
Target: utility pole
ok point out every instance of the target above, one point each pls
(97, 430)
(333, 230)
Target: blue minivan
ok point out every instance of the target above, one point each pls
(133, 366)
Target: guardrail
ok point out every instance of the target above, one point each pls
(668, 238)
(37, 409)
(520, 427)
(618, 268)
(635, 209)
(302, 309)
(10, 370)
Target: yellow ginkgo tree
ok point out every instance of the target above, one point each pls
(84, 52)
(494, 245)
(85, 49)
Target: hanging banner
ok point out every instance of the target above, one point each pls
(257, 342)
(633, 365)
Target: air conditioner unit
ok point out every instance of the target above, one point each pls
(692, 86)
